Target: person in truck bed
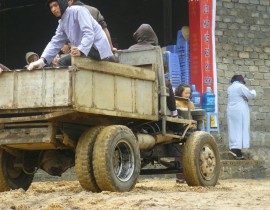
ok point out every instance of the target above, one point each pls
(145, 38)
(77, 26)
(30, 57)
(184, 91)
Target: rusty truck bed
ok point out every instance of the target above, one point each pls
(87, 88)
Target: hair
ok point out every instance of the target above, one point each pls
(180, 89)
(239, 78)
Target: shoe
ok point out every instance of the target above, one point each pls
(237, 154)
(180, 181)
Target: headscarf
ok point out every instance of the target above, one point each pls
(239, 78)
(27, 56)
(63, 4)
(145, 37)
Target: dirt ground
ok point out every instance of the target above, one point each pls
(148, 194)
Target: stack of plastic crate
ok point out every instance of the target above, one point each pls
(172, 48)
(171, 63)
(182, 48)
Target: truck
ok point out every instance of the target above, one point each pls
(109, 121)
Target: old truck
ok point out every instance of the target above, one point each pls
(109, 120)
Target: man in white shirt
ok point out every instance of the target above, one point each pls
(79, 27)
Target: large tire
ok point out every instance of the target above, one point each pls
(116, 159)
(11, 177)
(201, 160)
(83, 159)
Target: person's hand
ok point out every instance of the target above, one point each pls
(1, 70)
(75, 52)
(36, 64)
(245, 98)
(114, 50)
(65, 49)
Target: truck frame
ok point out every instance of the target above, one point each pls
(109, 120)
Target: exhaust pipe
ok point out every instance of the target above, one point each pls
(146, 141)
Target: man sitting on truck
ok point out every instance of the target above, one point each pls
(77, 26)
(145, 38)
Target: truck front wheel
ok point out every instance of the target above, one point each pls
(116, 159)
(201, 160)
(12, 177)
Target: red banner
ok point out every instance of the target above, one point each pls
(201, 46)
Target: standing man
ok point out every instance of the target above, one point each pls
(97, 16)
(79, 27)
(238, 116)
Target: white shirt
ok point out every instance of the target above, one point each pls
(79, 27)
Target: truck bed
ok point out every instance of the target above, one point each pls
(88, 88)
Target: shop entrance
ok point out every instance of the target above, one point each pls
(28, 25)
(124, 17)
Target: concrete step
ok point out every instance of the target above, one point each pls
(247, 169)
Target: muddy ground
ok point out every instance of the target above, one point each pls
(148, 194)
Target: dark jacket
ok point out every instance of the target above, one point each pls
(95, 14)
(145, 38)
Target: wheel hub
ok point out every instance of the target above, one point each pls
(123, 161)
(207, 162)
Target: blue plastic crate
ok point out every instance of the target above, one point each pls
(174, 72)
(184, 57)
(171, 48)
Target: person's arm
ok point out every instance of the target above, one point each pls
(55, 45)
(51, 49)
(248, 94)
(109, 39)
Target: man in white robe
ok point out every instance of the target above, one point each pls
(238, 116)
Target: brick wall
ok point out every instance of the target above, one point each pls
(243, 47)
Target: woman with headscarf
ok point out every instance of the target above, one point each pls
(146, 38)
(238, 116)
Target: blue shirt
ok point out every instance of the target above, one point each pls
(79, 27)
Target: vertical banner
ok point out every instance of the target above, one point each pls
(201, 44)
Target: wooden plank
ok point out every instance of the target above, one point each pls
(35, 117)
(114, 68)
(37, 89)
(117, 113)
(35, 146)
(115, 95)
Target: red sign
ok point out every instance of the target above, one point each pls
(201, 46)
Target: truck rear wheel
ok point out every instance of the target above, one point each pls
(201, 160)
(83, 159)
(12, 177)
(116, 159)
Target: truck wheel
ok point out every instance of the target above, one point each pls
(11, 177)
(83, 159)
(201, 160)
(116, 159)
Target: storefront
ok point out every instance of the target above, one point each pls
(35, 26)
